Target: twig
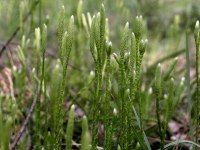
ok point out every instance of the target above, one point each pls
(17, 29)
(23, 128)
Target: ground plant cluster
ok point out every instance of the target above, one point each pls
(99, 75)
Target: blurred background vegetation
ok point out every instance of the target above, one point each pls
(166, 20)
(166, 23)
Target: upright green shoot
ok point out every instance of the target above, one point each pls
(70, 128)
(98, 33)
(42, 88)
(158, 93)
(61, 25)
(66, 48)
(108, 135)
(122, 88)
(85, 137)
(197, 43)
(43, 80)
(189, 96)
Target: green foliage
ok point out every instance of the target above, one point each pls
(61, 26)
(108, 128)
(65, 53)
(122, 80)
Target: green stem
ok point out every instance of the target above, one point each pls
(188, 82)
(197, 93)
(158, 92)
(108, 137)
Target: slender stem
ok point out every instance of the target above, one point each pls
(158, 119)
(197, 92)
(108, 137)
(188, 83)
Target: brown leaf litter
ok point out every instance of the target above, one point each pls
(6, 84)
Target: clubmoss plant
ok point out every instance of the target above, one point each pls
(43, 80)
(89, 19)
(70, 128)
(85, 137)
(131, 78)
(55, 78)
(118, 147)
(146, 103)
(137, 51)
(21, 52)
(132, 58)
(118, 82)
(139, 56)
(108, 135)
(180, 89)
(43, 48)
(97, 40)
(85, 25)
(138, 47)
(42, 83)
(121, 93)
(61, 25)
(66, 48)
(160, 83)
(107, 31)
(97, 78)
(138, 27)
